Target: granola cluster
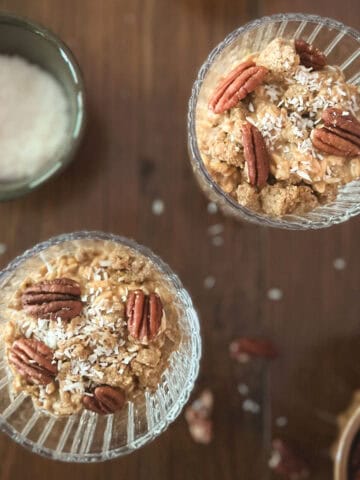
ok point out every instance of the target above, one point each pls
(69, 357)
(288, 99)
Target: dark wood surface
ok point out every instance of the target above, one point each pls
(139, 59)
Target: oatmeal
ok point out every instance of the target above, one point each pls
(281, 132)
(89, 327)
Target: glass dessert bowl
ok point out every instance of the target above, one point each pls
(232, 164)
(100, 347)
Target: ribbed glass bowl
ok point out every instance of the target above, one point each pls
(340, 43)
(88, 437)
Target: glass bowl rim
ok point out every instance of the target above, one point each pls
(343, 448)
(246, 213)
(72, 142)
(189, 309)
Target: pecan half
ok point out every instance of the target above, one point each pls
(105, 400)
(236, 86)
(256, 155)
(340, 134)
(33, 360)
(243, 348)
(144, 314)
(59, 298)
(310, 56)
(286, 462)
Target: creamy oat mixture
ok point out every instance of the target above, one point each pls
(95, 348)
(286, 107)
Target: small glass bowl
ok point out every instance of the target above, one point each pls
(341, 45)
(343, 447)
(88, 437)
(22, 37)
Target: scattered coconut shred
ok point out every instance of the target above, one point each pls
(34, 118)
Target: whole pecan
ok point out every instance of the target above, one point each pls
(236, 86)
(105, 400)
(286, 462)
(33, 360)
(340, 134)
(243, 348)
(144, 314)
(310, 56)
(52, 299)
(256, 155)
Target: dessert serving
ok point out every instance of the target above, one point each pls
(89, 328)
(280, 131)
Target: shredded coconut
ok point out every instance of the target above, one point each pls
(251, 406)
(34, 118)
(273, 93)
(158, 207)
(212, 208)
(216, 229)
(270, 127)
(209, 282)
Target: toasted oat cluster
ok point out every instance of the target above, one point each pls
(90, 329)
(280, 132)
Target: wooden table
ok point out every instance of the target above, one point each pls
(139, 59)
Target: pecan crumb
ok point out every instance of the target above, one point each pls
(198, 417)
(244, 348)
(286, 462)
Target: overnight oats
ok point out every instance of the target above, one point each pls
(89, 327)
(279, 130)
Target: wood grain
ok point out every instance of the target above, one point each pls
(139, 60)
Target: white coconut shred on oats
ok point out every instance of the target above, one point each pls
(75, 311)
(307, 117)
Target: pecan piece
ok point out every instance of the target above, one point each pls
(59, 298)
(105, 400)
(310, 56)
(144, 314)
(236, 86)
(198, 417)
(256, 155)
(344, 121)
(340, 134)
(286, 462)
(243, 348)
(33, 360)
